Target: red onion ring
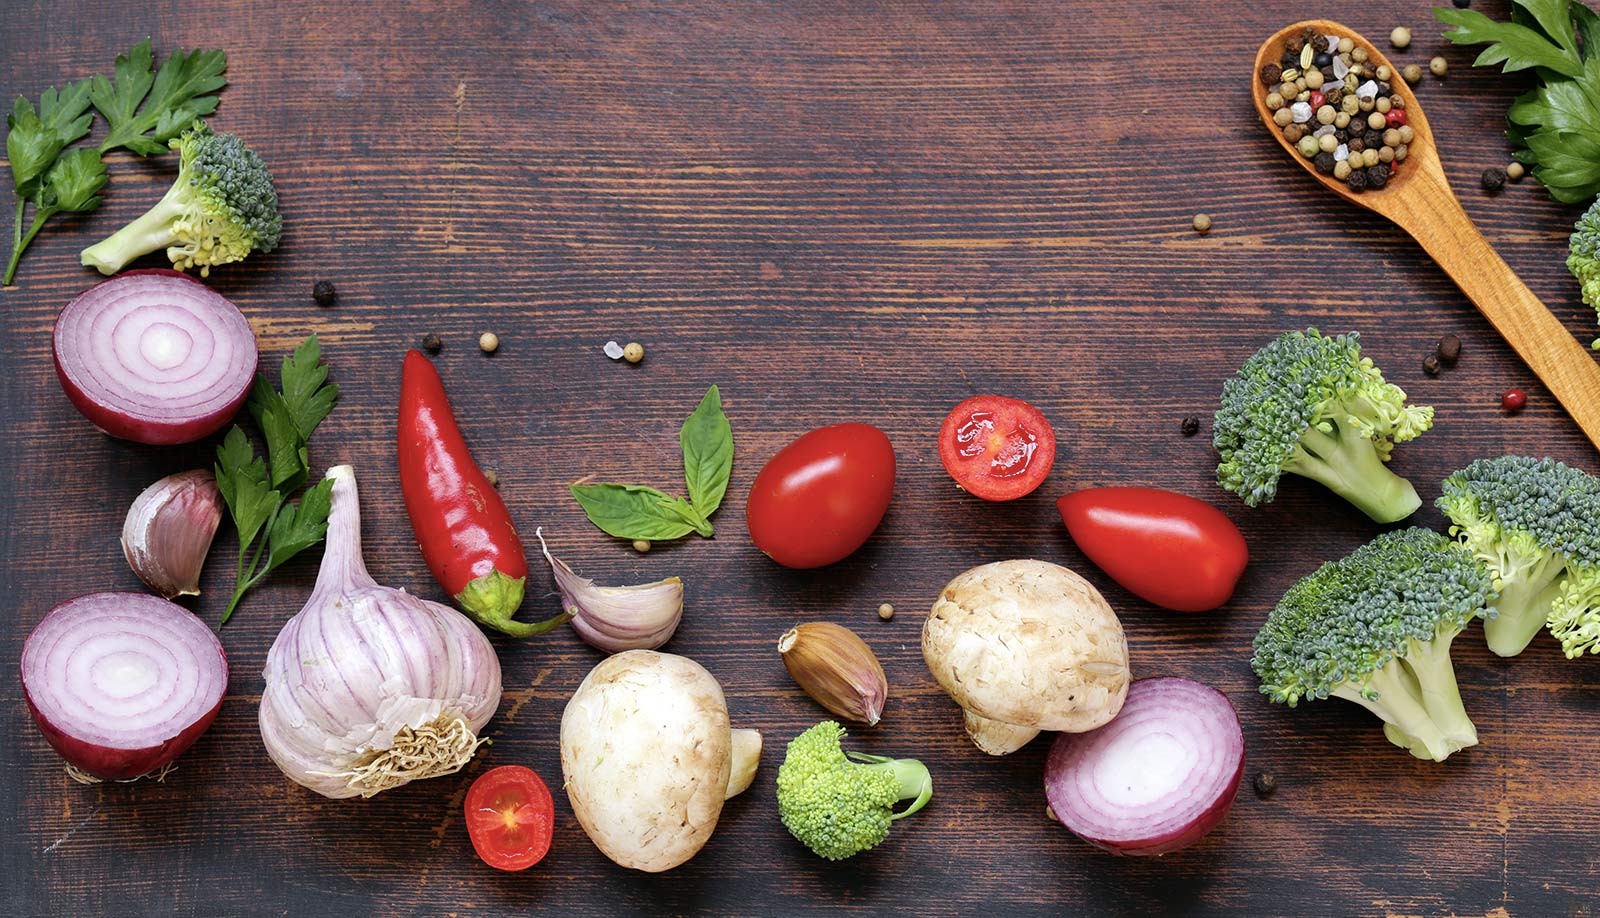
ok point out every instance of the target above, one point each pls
(122, 683)
(155, 356)
(1157, 778)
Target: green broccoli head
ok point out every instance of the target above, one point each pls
(1583, 257)
(1535, 523)
(1375, 628)
(221, 208)
(840, 804)
(1312, 405)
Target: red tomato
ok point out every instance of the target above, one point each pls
(1171, 549)
(997, 448)
(510, 817)
(822, 496)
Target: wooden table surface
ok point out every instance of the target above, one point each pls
(835, 211)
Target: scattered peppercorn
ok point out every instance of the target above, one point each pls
(886, 611)
(1412, 73)
(1202, 223)
(633, 352)
(488, 342)
(1462, 4)
(323, 292)
(1513, 400)
(1439, 67)
(493, 476)
(1265, 784)
(1493, 179)
(1515, 171)
(1430, 364)
(431, 343)
(1450, 350)
(641, 545)
(1191, 426)
(1400, 37)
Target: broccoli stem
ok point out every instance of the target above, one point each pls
(916, 784)
(1429, 663)
(1524, 605)
(1348, 463)
(148, 233)
(1398, 703)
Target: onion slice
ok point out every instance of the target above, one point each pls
(1157, 778)
(122, 683)
(155, 356)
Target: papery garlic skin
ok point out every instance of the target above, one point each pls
(168, 531)
(363, 668)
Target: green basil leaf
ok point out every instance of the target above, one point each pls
(707, 441)
(686, 512)
(632, 511)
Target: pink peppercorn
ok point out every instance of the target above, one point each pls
(1396, 117)
(1318, 100)
(1513, 400)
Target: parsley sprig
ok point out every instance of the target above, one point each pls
(271, 528)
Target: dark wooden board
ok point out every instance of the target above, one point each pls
(845, 211)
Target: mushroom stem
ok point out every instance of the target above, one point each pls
(745, 755)
(995, 737)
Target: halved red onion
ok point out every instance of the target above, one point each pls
(1155, 779)
(155, 356)
(122, 683)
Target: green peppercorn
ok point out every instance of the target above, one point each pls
(1412, 73)
(1309, 147)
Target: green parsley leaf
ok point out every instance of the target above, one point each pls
(306, 391)
(1516, 46)
(298, 527)
(145, 109)
(73, 183)
(287, 419)
(632, 511)
(707, 441)
(242, 479)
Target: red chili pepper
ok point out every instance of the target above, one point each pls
(1317, 99)
(1396, 117)
(462, 526)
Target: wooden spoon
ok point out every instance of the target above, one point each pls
(1418, 199)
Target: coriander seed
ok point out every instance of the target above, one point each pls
(1515, 171)
(641, 545)
(1202, 223)
(633, 352)
(1439, 67)
(886, 611)
(488, 342)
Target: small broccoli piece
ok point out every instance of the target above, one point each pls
(1314, 406)
(1375, 628)
(221, 208)
(1536, 524)
(1583, 258)
(839, 803)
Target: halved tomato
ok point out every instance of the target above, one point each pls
(510, 817)
(997, 448)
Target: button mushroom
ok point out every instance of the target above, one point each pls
(648, 758)
(1025, 646)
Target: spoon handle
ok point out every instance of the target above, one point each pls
(1434, 217)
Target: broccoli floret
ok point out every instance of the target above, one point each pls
(1314, 406)
(1583, 258)
(1375, 628)
(221, 208)
(1536, 524)
(839, 803)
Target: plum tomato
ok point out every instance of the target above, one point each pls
(997, 448)
(510, 817)
(1170, 549)
(822, 496)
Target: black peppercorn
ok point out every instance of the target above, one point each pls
(1430, 364)
(1292, 46)
(1289, 60)
(322, 291)
(1333, 95)
(1324, 162)
(1373, 139)
(1321, 60)
(1357, 180)
(1265, 784)
(1462, 4)
(1191, 426)
(431, 343)
(1449, 350)
(1494, 179)
(1377, 176)
(1342, 136)
(1356, 144)
(1271, 74)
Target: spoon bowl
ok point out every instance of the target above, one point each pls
(1418, 199)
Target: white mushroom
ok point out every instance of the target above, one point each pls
(648, 757)
(1025, 646)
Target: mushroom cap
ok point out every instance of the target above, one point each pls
(1028, 643)
(645, 753)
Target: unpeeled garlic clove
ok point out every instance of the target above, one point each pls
(614, 619)
(837, 669)
(169, 529)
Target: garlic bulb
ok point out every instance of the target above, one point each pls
(614, 619)
(369, 687)
(169, 529)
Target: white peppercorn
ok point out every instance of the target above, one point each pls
(1439, 67)
(1400, 37)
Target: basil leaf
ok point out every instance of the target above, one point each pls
(693, 517)
(632, 511)
(707, 441)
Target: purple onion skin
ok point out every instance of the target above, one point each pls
(119, 764)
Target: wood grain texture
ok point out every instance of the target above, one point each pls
(836, 211)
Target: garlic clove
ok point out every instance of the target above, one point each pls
(837, 669)
(168, 531)
(614, 619)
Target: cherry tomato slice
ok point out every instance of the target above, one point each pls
(822, 496)
(1175, 551)
(997, 448)
(510, 817)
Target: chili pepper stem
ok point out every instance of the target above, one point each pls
(491, 600)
